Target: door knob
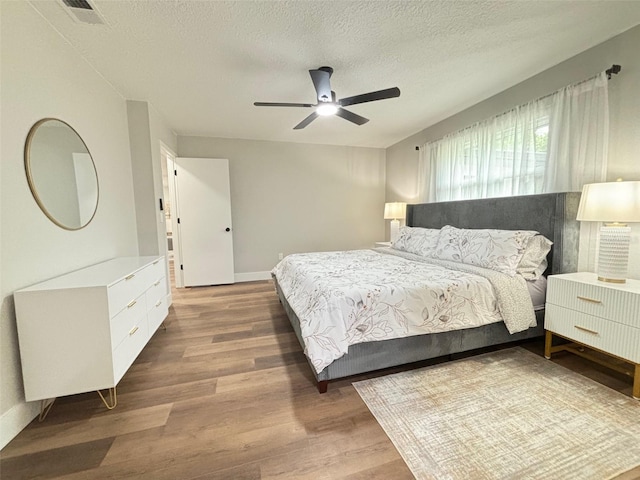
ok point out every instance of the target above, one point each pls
(227, 229)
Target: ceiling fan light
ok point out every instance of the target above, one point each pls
(327, 109)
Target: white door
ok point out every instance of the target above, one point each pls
(204, 221)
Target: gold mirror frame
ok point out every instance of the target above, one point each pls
(31, 176)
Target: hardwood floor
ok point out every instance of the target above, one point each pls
(224, 393)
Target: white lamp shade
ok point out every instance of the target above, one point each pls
(395, 210)
(610, 202)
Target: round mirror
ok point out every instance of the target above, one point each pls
(61, 173)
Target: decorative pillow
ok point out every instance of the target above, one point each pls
(417, 240)
(534, 261)
(499, 250)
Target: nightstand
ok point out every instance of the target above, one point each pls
(602, 316)
(383, 244)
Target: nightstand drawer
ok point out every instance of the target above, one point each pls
(602, 301)
(620, 340)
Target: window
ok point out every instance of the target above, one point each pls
(531, 149)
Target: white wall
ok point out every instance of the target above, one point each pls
(289, 197)
(42, 76)
(142, 168)
(624, 137)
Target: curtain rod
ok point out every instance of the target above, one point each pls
(614, 70)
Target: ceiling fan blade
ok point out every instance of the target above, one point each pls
(352, 117)
(276, 104)
(321, 83)
(370, 97)
(306, 121)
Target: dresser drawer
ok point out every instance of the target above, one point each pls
(156, 291)
(127, 319)
(613, 304)
(156, 315)
(129, 348)
(126, 290)
(611, 337)
(156, 269)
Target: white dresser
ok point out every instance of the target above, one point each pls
(603, 316)
(81, 331)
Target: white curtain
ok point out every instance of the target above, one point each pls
(578, 136)
(556, 143)
(578, 150)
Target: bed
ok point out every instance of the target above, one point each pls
(552, 215)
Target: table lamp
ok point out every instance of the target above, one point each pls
(616, 204)
(394, 211)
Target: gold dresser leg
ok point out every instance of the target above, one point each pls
(113, 398)
(548, 336)
(636, 382)
(45, 408)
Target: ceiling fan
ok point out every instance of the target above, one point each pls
(327, 104)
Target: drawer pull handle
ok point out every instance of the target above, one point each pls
(586, 330)
(587, 299)
(133, 302)
(129, 277)
(156, 261)
(159, 303)
(133, 330)
(157, 283)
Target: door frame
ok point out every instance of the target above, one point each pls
(173, 198)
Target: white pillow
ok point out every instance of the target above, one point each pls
(534, 261)
(417, 240)
(499, 250)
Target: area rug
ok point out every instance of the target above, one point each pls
(508, 414)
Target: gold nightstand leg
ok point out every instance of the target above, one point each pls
(636, 382)
(548, 336)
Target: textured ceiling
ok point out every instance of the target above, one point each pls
(202, 64)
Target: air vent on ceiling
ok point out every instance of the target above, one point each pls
(83, 11)
(78, 4)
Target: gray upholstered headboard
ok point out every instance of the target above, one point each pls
(551, 214)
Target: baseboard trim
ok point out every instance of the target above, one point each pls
(252, 276)
(13, 421)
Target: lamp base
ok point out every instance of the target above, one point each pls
(394, 230)
(613, 253)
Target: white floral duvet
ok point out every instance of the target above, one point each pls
(344, 298)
